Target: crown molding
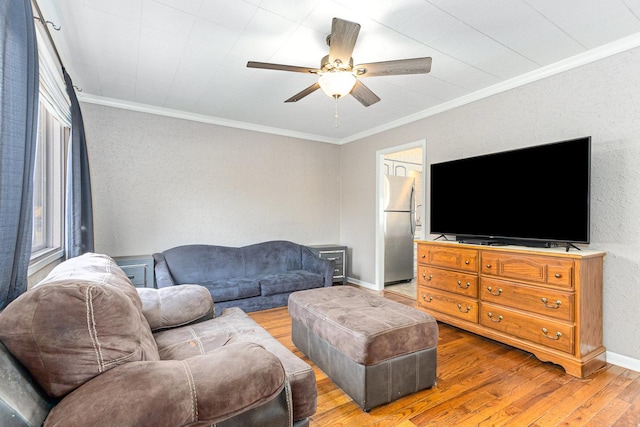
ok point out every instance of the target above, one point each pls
(592, 55)
(184, 115)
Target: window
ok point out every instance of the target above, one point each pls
(54, 128)
(48, 186)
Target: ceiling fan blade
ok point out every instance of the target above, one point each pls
(342, 40)
(393, 68)
(280, 67)
(364, 94)
(298, 96)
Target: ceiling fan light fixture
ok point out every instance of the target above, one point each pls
(336, 84)
(337, 74)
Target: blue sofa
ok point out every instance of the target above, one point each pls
(254, 277)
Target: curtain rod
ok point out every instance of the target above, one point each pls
(40, 18)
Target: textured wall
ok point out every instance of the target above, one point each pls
(159, 182)
(601, 99)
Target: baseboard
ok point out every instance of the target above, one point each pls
(623, 361)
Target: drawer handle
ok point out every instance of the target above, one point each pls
(424, 276)
(131, 277)
(490, 289)
(488, 266)
(460, 309)
(423, 256)
(466, 261)
(555, 338)
(557, 305)
(465, 286)
(498, 320)
(424, 298)
(558, 275)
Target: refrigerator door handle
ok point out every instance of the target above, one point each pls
(412, 209)
(412, 222)
(412, 199)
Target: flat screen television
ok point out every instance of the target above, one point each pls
(535, 196)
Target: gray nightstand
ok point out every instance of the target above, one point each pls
(336, 253)
(139, 269)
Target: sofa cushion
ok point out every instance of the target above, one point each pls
(232, 288)
(271, 257)
(197, 264)
(235, 326)
(175, 306)
(289, 281)
(198, 392)
(84, 319)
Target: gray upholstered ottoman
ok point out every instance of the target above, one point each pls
(375, 349)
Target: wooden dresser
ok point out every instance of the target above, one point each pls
(544, 301)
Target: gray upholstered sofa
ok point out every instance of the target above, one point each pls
(254, 277)
(84, 347)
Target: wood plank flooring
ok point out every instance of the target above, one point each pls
(481, 382)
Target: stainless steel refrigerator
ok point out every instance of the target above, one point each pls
(399, 228)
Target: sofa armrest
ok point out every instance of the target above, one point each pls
(22, 401)
(198, 391)
(315, 264)
(161, 270)
(176, 305)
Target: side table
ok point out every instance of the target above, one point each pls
(139, 269)
(337, 254)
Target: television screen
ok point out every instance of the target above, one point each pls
(537, 194)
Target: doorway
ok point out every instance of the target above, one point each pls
(406, 160)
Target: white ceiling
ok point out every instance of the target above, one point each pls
(188, 57)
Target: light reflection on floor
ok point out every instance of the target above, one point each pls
(406, 288)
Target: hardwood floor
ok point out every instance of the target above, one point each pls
(481, 383)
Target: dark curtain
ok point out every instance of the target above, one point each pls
(79, 204)
(18, 132)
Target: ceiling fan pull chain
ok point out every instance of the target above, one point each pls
(336, 115)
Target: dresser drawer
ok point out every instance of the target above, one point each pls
(336, 256)
(335, 253)
(453, 257)
(448, 303)
(541, 269)
(547, 332)
(136, 273)
(447, 280)
(138, 268)
(549, 302)
(338, 261)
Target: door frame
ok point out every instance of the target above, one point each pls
(380, 155)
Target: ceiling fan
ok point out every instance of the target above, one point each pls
(338, 75)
